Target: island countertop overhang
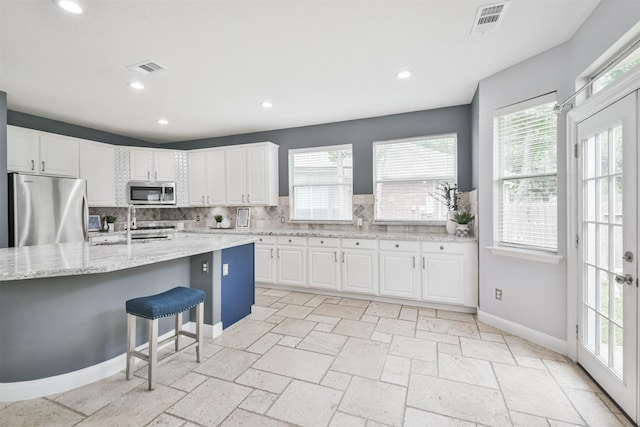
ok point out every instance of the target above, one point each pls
(71, 259)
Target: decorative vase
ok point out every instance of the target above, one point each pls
(462, 230)
(225, 223)
(451, 224)
(218, 225)
(110, 224)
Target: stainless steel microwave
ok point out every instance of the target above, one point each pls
(151, 193)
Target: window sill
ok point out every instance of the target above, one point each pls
(529, 255)
(310, 221)
(427, 223)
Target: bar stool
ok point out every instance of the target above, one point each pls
(172, 302)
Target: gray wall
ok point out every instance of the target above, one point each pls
(475, 106)
(4, 209)
(534, 293)
(47, 125)
(361, 133)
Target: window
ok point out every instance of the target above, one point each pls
(406, 171)
(525, 139)
(625, 65)
(321, 183)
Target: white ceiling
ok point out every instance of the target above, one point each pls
(318, 61)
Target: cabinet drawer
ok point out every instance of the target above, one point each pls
(443, 247)
(323, 242)
(292, 240)
(359, 244)
(399, 245)
(266, 239)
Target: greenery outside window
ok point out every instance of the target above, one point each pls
(321, 183)
(625, 65)
(525, 142)
(405, 172)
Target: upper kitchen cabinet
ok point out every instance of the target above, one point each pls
(252, 174)
(152, 165)
(41, 153)
(207, 178)
(97, 167)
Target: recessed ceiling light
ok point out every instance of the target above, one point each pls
(136, 85)
(405, 74)
(163, 121)
(266, 104)
(70, 6)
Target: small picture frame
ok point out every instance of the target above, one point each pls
(94, 223)
(243, 218)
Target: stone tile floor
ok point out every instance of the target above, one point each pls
(313, 360)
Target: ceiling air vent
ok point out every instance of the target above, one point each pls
(489, 18)
(146, 67)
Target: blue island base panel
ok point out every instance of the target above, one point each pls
(238, 284)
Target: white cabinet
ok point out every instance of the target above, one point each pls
(399, 268)
(324, 266)
(152, 165)
(97, 167)
(291, 260)
(265, 259)
(252, 174)
(360, 266)
(450, 273)
(207, 178)
(41, 153)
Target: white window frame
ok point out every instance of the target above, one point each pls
(449, 179)
(326, 148)
(525, 251)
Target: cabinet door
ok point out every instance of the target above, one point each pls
(235, 176)
(22, 150)
(216, 178)
(256, 159)
(291, 265)
(238, 285)
(324, 271)
(97, 167)
(59, 155)
(164, 166)
(442, 278)
(197, 179)
(265, 263)
(140, 164)
(360, 271)
(398, 274)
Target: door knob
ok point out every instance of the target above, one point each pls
(627, 279)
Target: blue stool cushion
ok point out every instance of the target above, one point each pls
(168, 303)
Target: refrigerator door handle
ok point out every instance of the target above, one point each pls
(85, 214)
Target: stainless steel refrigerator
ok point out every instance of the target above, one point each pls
(44, 209)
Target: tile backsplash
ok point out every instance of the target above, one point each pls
(270, 217)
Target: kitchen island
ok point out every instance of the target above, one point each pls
(62, 306)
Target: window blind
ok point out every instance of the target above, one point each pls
(406, 171)
(526, 144)
(321, 183)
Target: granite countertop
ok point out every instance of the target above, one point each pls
(68, 259)
(389, 235)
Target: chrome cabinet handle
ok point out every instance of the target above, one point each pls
(627, 279)
(207, 199)
(335, 256)
(271, 251)
(43, 166)
(343, 255)
(243, 198)
(156, 175)
(423, 263)
(33, 165)
(148, 174)
(248, 198)
(203, 199)
(414, 262)
(278, 253)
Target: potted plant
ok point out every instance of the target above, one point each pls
(218, 219)
(463, 218)
(448, 195)
(109, 220)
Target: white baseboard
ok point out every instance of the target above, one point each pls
(544, 340)
(24, 390)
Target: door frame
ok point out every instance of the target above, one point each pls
(608, 96)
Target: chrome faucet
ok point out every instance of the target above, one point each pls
(131, 224)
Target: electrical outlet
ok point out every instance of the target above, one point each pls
(499, 294)
(359, 222)
(205, 267)
(198, 218)
(282, 219)
(225, 269)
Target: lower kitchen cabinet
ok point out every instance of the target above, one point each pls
(399, 268)
(265, 259)
(238, 285)
(450, 273)
(360, 266)
(291, 260)
(324, 265)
